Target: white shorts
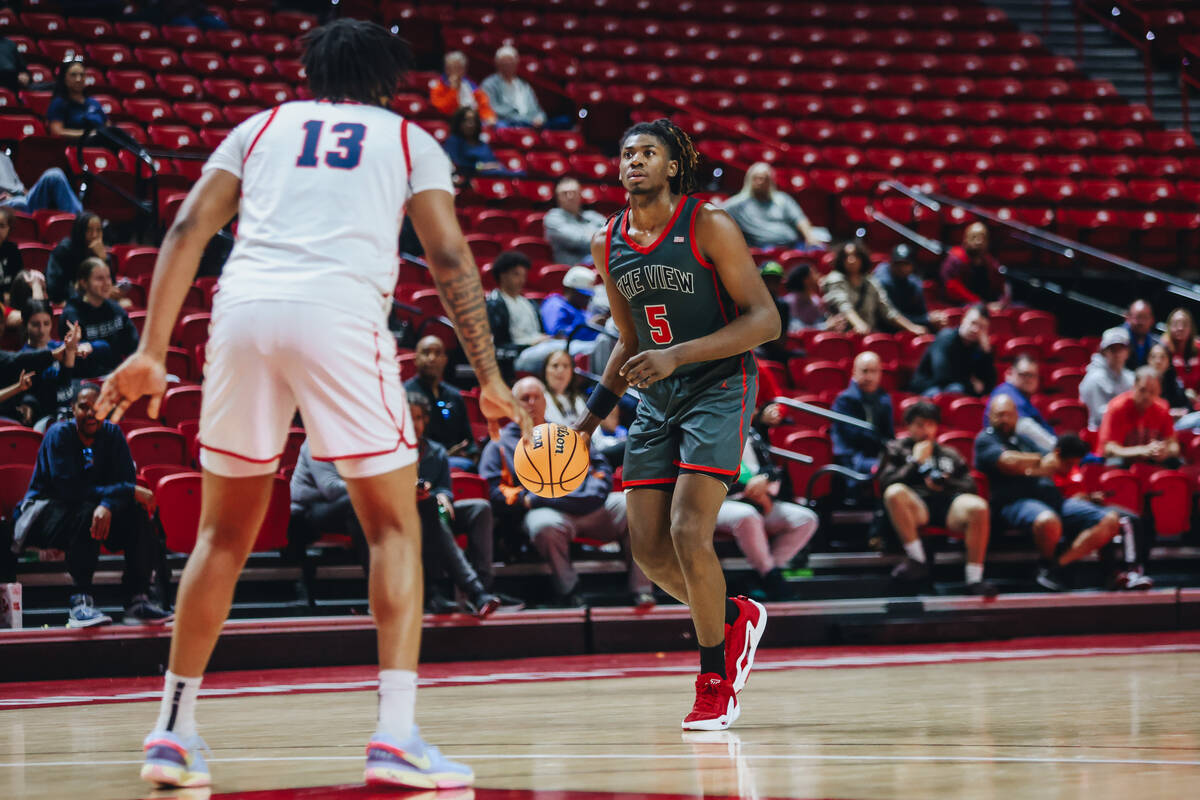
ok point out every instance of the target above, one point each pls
(266, 359)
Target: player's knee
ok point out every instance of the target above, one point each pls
(690, 530)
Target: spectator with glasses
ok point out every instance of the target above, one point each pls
(83, 495)
(449, 424)
(72, 113)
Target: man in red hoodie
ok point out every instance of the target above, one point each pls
(971, 274)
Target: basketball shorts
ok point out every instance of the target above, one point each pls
(265, 360)
(691, 423)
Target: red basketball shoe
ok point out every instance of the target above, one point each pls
(741, 640)
(716, 704)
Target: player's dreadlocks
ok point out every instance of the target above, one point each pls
(351, 59)
(680, 147)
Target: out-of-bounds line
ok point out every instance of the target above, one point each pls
(668, 757)
(497, 678)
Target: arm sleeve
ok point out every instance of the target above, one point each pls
(1029, 428)
(231, 153)
(836, 295)
(567, 233)
(57, 111)
(959, 481)
(1110, 431)
(503, 109)
(987, 453)
(13, 364)
(940, 368)
(441, 478)
(128, 336)
(893, 465)
(58, 282)
(123, 475)
(794, 212)
(885, 303)
(430, 165)
(489, 470)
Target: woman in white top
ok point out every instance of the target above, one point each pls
(565, 402)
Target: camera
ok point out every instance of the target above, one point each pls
(929, 471)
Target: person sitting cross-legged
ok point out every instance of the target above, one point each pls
(83, 495)
(925, 483)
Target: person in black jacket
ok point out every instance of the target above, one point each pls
(86, 240)
(925, 483)
(855, 447)
(106, 326)
(959, 360)
(54, 388)
(10, 254)
(449, 424)
(14, 365)
(521, 339)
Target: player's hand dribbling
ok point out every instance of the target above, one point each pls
(649, 367)
(496, 401)
(138, 375)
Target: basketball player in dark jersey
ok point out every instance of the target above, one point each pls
(690, 306)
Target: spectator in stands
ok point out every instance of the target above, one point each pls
(72, 113)
(10, 254)
(106, 326)
(453, 90)
(515, 319)
(13, 364)
(1180, 342)
(49, 399)
(83, 495)
(1173, 392)
(441, 518)
(925, 483)
(806, 307)
(569, 227)
(1106, 375)
(14, 75)
(865, 399)
(467, 150)
(28, 284)
(959, 359)
(449, 423)
(1138, 425)
(609, 439)
(593, 511)
(565, 400)
(320, 504)
(1139, 322)
(188, 13)
(52, 191)
(770, 218)
(1021, 384)
(1024, 496)
(770, 532)
(772, 275)
(565, 316)
(851, 291)
(513, 100)
(86, 240)
(972, 275)
(904, 289)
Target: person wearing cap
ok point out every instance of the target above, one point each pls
(768, 217)
(565, 315)
(1107, 375)
(570, 227)
(772, 275)
(904, 289)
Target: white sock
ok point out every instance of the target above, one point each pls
(178, 710)
(397, 702)
(974, 573)
(915, 550)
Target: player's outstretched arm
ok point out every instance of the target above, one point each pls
(626, 346)
(210, 204)
(720, 239)
(457, 279)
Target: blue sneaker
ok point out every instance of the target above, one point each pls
(170, 762)
(412, 764)
(84, 613)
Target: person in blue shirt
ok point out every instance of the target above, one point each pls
(1139, 322)
(1021, 384)
(564, 315)
(72, 113)
(469, 153)
(904, 289)
(84, 494)
(855, 447)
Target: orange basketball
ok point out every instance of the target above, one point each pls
(553, 461)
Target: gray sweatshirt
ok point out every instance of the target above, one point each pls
(571, 237)
(1100, 385)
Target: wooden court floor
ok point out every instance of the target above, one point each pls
(1050, 728)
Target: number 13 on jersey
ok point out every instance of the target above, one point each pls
(660, 326)
(345, 155)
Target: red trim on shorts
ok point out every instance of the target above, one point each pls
(404, 146)
(700, 468)
(647, 482)
(742, 418)
(647, 250)
(704, 262)
(383, 399)
(365, 455)
(239, 455)
(258, 135)
(608, 244)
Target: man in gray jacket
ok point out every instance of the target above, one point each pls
(512, 98)
(1106, 375)
(569, 228)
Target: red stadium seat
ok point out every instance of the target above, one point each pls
(156, 58)
(185, 37)
(130, 81)
(271, 94)
(181, 403)
(962, 441)
(1121, 488)
(19, 445)
(173, 136)
(15, 127)
(191, 330)
(965, 414)
(198, 115)
(14, 482)
(225, 90)
(35, 255)
(1171, 502)
(1067, 415)
(149, 109)
(157, 445)
(136, 32)
(203, 62)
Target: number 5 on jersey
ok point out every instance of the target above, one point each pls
(660, 326)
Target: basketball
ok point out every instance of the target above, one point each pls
(553, 461)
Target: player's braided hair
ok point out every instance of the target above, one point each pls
(351, 59)
(680, 147)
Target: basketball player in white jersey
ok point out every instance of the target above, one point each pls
(320, 188)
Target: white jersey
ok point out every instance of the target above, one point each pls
(324, 187)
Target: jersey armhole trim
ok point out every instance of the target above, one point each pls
(608, 229)
(407, 154)
(258, 135)
(704, 262)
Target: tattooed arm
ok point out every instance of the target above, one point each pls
(457, 278)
